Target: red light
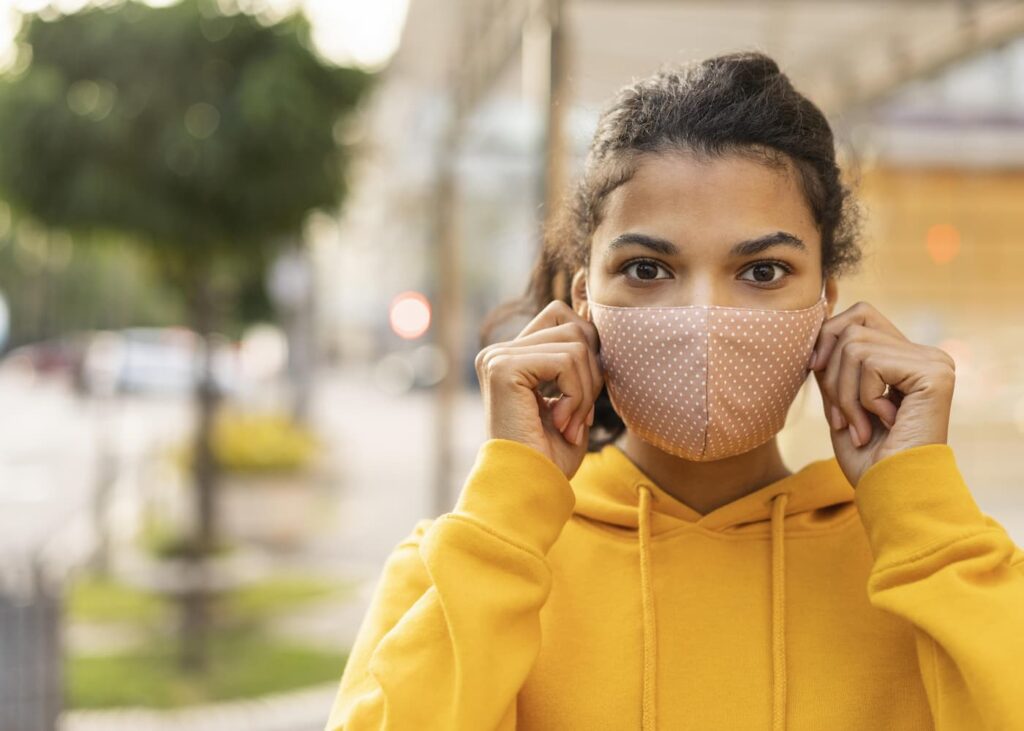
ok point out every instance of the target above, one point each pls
(409, 315)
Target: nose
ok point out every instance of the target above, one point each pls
(701, 290)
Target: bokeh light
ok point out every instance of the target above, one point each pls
(410, 315)
(943, 243)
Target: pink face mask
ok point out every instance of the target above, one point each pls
(704, 382)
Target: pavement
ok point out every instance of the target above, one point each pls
(51, 442)
(384, 450)
(304, 710)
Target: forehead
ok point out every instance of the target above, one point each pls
(683, 198)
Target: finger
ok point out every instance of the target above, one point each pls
(852, 382)
(581, 357)
(559, 313)
(544, 405)
(586, 415)
(541, 367)
(833, 415)
(567, 332)
(547, 405)
(861, 314)
(875, 393)
(847, 388)
(575, 411)
(567, 414)
(853, 333)
(913, 368)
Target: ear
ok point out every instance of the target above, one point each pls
(578, 292)
(831, 294)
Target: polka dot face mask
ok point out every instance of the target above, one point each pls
(705, 382)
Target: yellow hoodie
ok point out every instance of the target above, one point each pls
(605, 603)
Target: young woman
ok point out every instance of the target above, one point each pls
(633, 553)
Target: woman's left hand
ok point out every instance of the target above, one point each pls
(858, 354)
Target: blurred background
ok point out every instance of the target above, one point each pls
(246, 247)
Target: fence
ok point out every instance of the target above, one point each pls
(30, 649)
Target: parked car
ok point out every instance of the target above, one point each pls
(157, 361)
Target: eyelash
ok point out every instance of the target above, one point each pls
(783, 265)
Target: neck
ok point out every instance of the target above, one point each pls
(706, 486)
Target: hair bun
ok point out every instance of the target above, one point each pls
(746, 70)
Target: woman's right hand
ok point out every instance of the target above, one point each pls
(556, 346)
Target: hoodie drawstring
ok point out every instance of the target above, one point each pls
(778, 587)
(650, 657)
(778, 612)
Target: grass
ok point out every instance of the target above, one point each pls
(102, 600)
(242, 664)
(244, 659)
(266, 599)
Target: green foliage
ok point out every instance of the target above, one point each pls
(52, 288)
(261, 443)
(257, 443)
(209, 136)
(243, 663)
(164, 542)
(266, 599)
(93, 599)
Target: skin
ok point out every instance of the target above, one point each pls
(700, 210)
(703, 209)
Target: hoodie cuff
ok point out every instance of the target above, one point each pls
(914, 502)
(517, 492)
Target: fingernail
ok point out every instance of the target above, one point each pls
(579, 435)
(854, 436)
(590, 417)
(837, 418)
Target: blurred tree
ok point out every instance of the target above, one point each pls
(205, 137)
(113, 287)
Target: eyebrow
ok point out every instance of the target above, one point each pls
(743, 248)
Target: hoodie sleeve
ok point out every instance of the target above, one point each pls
(956, 575)
(453, 628)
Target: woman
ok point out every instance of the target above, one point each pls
(634, 553)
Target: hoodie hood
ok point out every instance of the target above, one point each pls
(607, 483)
(612, 491)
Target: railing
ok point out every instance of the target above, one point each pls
(31, 683)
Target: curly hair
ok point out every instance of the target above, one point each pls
(737, 103)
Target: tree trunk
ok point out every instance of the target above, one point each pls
(204, 542)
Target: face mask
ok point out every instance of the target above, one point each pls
(705, 382)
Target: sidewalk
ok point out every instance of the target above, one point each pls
(304, 710)
(384, 447)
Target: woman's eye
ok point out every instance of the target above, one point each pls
(765, 272)
(646, 269)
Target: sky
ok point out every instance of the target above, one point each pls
(348, 32)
